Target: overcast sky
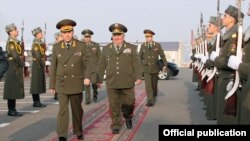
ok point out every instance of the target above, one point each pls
(172, 20)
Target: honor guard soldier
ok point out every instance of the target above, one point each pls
(67, 79)
(226, 74)
(38, 82)
(93, 53)
(211, 96)
(14, 84)
(123, 70)
(149, 54)
(243, 67)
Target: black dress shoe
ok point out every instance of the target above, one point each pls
(80, 137)
(62, 139)
(14, 114)
(115, 131)
(129, 123)
(149, 104)
(38, 104)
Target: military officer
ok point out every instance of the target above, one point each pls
(123, 70)
(14, 84)
(38, 82)
(243, 67)
(58, 38)
(67, 79)
(93, 53)
(226, 74)
(149, 54)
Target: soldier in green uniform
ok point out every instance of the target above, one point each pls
(243, 67)
(93, 53)
(194, 59)
(14, 84)
(38, 82)
(211, 97)
(67, 79)
(58, 38)
(123, 71)
(149, 54)
(226, 74)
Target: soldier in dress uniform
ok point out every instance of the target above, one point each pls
(121, 61)
(194, 59)
(149, 54)
(14, 84)
(68, 74)
(38, 81)
(58, 38)
(211, 97)
(243, 67)
(226, 74)
(93, 53)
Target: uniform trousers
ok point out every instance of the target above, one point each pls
(63, 114)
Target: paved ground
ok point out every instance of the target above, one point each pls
(177, 103)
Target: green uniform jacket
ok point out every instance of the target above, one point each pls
(14, 84)
(93, 53)
(122, 69)
(244, 71)
(229, 46)
(211, 47)
(38, 82)
(68, 68)
(149, 57)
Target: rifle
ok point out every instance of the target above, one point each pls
(26, 71)
(217, 49)
(45, 49)
(231, 97)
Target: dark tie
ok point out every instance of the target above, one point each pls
(149, 46)
(68, 45)
(117, 49)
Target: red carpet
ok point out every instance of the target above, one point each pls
(96, 123)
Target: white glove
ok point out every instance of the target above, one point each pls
(213, 55)
(200, 55)
(190, 55)
(27, 64)
(204, 59)
(47, 53)
(230, 85)
(25, 53)
(196, 55)
(233, 62)
(47, 63)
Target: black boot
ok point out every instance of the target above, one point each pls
(36, 101)
(95, 98)
(12, 108)
(55, 96)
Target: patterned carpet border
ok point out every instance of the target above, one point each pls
(96, 122)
